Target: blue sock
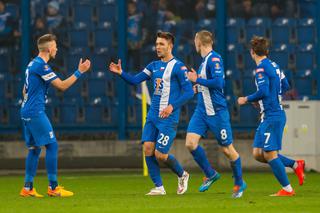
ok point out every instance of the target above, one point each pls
(174, 165)
(287, 162)
(31, 167)
(279, 171)
(237, 171)
(52, 164)
(200, 157)
(154, 170)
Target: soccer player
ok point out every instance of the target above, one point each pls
(271, 83)
(38, 131)
(171, 90)
(212, 114)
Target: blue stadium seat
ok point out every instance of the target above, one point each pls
(98, 84)
(101, 59)
(249, 116)
(232, 82)
(280, 54)
(234, 59)
(184, 53)
(248, 62)
(103, 35)
(13, 9)
(94, 111)
(306, 30)
(305, 56)
(106, 11)
(73, 58)
(148, 54)
(14, 112)
(258, 27)
(82, 13)
(289, 77)
(235, 30)
(206, 24)
(282, 30)
(305, 82)
(72, 111)
(5, 64)
(134, 111)
(2, 80)
(79, 35)
(248, 84)
(307, 8)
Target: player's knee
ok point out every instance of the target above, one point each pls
(148, 149)
(160, 156)
(257, 155)
(191, 144)
(35, 150)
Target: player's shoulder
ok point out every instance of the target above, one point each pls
(215, 57)
(180, 66)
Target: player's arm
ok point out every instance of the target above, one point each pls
(284, 83)
(65, 84)
(133, 80)
(262, 91)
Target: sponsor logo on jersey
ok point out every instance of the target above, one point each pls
(215, 59)
(260, 70)
(158, 86)
(161, 68)
(183, 68)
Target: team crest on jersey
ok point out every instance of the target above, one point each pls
(215, 59)
(158, 85)
(46, 67)
(217, 66)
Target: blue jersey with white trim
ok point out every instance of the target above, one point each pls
(169, 82)
(38, 76)
(269, 75)
(211, 99)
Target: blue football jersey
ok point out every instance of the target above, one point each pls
(169, 81)
(38, 76)
(269, 74)
(211, 100)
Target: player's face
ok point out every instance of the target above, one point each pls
(53, 49)
(163, 47)
(197, 44)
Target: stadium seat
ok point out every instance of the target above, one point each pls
(305, 82)
(14, 112)
(280, 54)
(2, 80)
(74, 56)
(13, 9)
(82, 13)
(101, 58)
(248, 62)
(234, 59)
(248, 84)
(235, 30)
(103, 35)
(283, 30)
(79, 35)
(258, 27)
(106, 11)
(249, 116)
(305, 56)
(307, 8)
(206, 24)
(72, 111)
(233, 84)
(98, 84)
(306, 30)
(95, 111)
(5, 61)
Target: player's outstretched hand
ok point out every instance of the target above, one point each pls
(116, 68)
(192, 75)
(84, 66)
(166, 111)
(242, 100)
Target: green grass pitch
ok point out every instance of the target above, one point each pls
(124, 192)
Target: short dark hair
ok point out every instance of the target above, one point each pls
(260, 45)
(45, 39)
(166, 35)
